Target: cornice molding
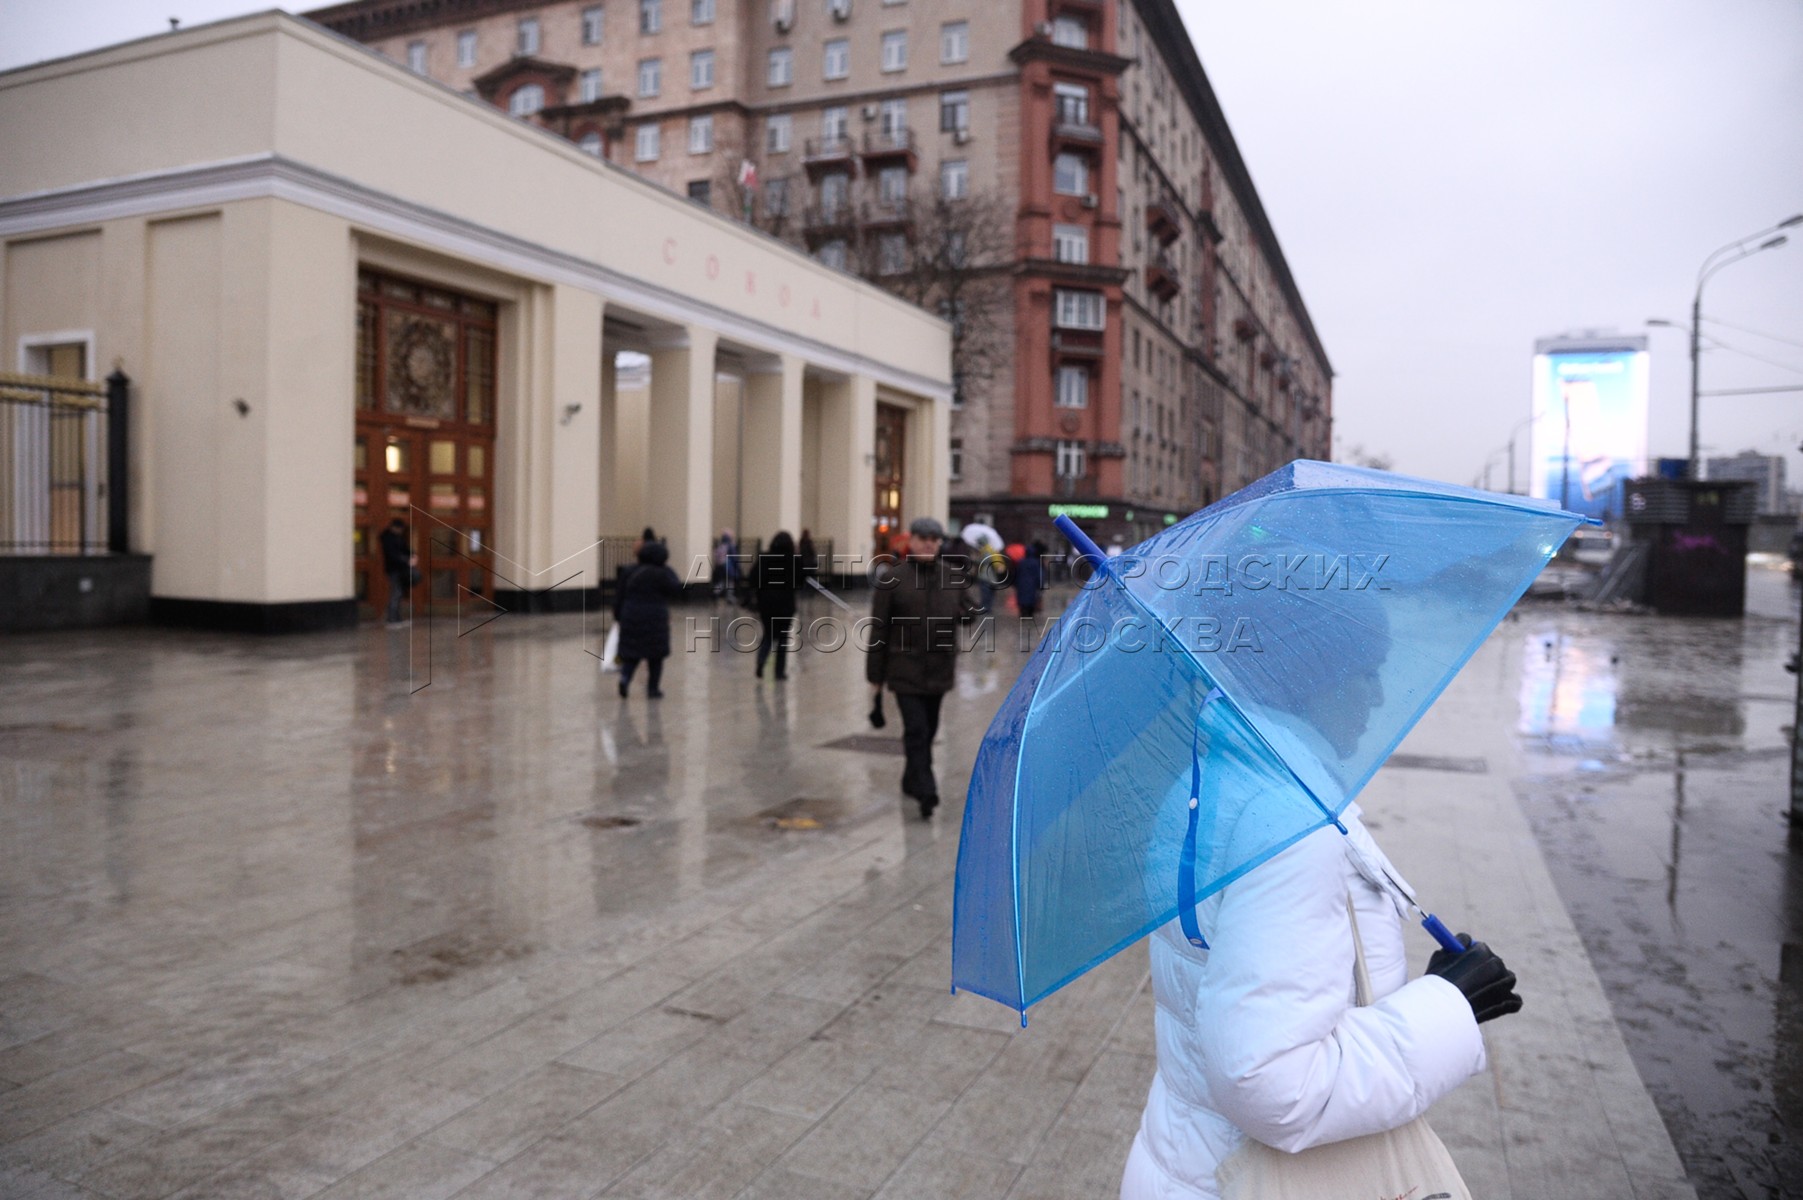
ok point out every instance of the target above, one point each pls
(273, 176)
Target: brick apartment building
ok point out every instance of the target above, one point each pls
(1149, 352)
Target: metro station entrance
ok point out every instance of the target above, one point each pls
(425, 436)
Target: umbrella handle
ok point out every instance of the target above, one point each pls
(1442, 934)
(1080, 540)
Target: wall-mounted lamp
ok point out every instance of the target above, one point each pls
(241, 406)
(569, 413)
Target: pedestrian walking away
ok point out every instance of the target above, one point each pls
(775, 579)
(642, 609)
(918, 605)
(398, 562)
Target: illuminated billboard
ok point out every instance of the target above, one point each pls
(1590, 419)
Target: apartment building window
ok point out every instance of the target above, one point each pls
(776, 197)
(651, 16)
(834, 191)
(895, 50)
(954, 111)
(1077, 310)
(1073, 386)
(528, 35)
(1072, 32)
(591, 143)
(701, 12)
(778, 134)
(1070, 243)
(837, 64)
(893, 120)
(832, 254)
(647, 143)
(526, 100)
(1070, 175)
(701, 70)
(588, 85)
(954, 179)
(781, 71)
(651, 76)
(591, 25)
(1071, 463)
(701, 135)
(891, 253)
(416, 57)
(701, 191)
(956, 244)
(892, 185)
(466, 48)
(835, 125)
(956, 458)
(1072, 103)
(954, 42)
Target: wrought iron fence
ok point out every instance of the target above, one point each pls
(62, 465)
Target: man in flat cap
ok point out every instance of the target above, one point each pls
(917, 608)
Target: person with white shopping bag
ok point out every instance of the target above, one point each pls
(1295, 1057)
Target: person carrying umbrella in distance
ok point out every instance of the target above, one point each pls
(915, 611)
(1181, 756)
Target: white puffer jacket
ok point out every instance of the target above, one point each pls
(1259, 1034)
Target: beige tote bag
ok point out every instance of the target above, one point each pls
(1406, 1162)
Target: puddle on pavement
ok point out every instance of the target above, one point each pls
(806, 814)
(1658, 784)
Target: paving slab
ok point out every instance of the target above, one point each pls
(276, 928)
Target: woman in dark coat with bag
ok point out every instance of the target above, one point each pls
(643, 611)
(777, 578)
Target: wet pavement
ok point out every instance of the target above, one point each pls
(277, 919)
(1657, 781)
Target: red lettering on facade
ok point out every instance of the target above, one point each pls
(782, 295)
(713, 267)
(751, 282)
(670, 250)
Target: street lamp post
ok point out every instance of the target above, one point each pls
(1733, 252)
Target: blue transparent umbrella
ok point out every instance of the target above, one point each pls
(1212, 696)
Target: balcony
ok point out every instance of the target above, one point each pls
(887, 148)
(823, 222)
(820, 156)
(1161, 275)
(887, 214)
(1072, 122)
(1077, 343)
(1162, 221)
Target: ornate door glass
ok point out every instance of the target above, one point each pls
(891, 468)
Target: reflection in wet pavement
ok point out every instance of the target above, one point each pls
(1657, 782)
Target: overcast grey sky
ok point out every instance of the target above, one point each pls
(1451, 179)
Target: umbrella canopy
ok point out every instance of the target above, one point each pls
(1262, 657)
(980, 535)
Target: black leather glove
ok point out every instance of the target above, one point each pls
(1488, 984)
(877, 720)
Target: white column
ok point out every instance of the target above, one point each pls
(848, 467)
(572, 492)
(773, 447)
(681, 451)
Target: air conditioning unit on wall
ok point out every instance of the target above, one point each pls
(961, 136)
(1092, 201)
(870, 112)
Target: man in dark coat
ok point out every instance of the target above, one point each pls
(775, 579)
(918, 605)
(643, 611)
(397, 563)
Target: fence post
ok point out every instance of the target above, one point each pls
(118, 461)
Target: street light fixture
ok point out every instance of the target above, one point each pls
(1726, 255)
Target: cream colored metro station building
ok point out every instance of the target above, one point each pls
(343, 292)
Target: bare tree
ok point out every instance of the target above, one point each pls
(950, 257)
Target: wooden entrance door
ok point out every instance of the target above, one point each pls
(425, 436)
(891, 469)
